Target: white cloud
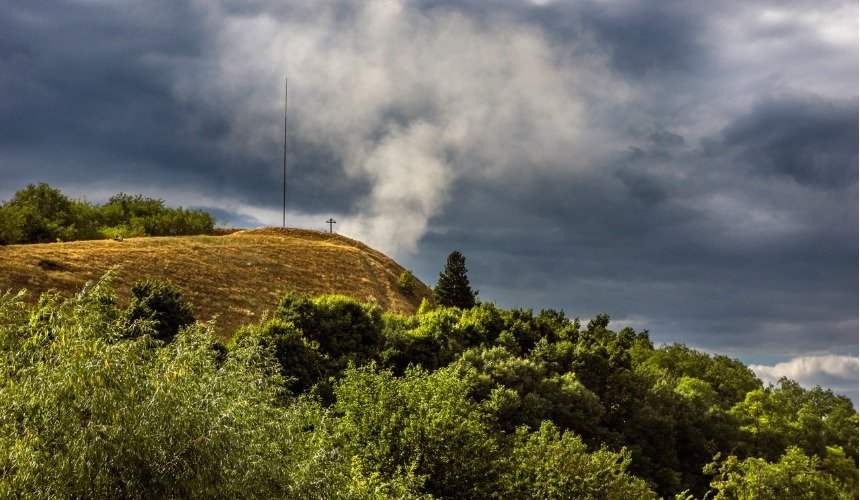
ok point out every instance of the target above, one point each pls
(409, 100)
(412, 100)
(839, 373)
(784, 48)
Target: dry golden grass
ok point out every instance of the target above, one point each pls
(235, 277)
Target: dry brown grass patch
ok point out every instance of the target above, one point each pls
(235, 276)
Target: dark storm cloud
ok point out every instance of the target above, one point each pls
(647, 38)
(651, 245)
(634, 168)
(89, 80)
(812, 141)
(688, 168)
(643, 38)
(317, 177)
(89, 95)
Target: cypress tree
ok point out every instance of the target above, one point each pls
(453, 288)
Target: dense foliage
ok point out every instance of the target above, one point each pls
(161, 303)
(330, 398)
(42, 214)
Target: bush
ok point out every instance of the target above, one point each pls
(517, 391)
(345, 330)
(10, 225)
(406, 282)
(159, 302)
(531, 407)
(301, 363)
(91, 413)
(549, 464)
(42, 214)
(420, 423)
(795, 475)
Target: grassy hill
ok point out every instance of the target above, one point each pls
(236, 276)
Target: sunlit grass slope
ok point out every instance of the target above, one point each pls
(236, 276)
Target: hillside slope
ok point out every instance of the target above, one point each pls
(236, 277)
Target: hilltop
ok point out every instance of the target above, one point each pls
(236, 277)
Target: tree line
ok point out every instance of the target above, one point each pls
(39, 213)
(332, 398)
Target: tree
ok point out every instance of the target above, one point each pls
(453, 288)
(420, 423)
(344, 329)
(43, 214)
(10, 225)
(795, 475)
(90, 410)
(548, 463)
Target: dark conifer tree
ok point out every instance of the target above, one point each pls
(453, 288)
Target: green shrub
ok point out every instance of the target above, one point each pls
(345, 330)
(549, 464)
(421, 424)
(10, 225)
(301, 363)
(42, 214)
(478, 403)
(795, 475)
(159, 302)
(407, 282)
(519, 391)
(91, 413)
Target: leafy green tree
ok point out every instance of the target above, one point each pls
(419, 423)
(795, 475)
(429, 340)
(10, 225)
(480, 403)
(86, 219)
(301, 363)
(729, 378)
(550, 464)
(123, 207)
(453, 288)
(159, 302)
(519, 391)
(138, 215)
(773, 418)
(345, 330)
(90, 412)
(43, 214)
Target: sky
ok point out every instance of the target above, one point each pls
(689, 168)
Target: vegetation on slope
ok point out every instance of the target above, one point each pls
(236, 277)
(332, 398)
(42, 214)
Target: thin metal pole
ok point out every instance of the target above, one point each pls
(284, 219)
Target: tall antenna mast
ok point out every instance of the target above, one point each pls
(284, 219)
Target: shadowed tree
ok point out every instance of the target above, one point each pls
(453, 288)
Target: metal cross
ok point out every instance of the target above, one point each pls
(330, 221)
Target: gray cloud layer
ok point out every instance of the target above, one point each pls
(688, 168)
